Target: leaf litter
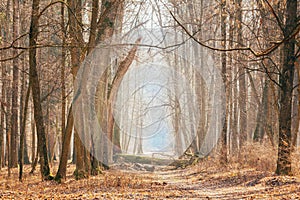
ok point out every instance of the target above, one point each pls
(196, 182)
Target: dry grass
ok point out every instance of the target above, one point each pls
(259, 156)
(248, 176)
(296, 162)
(202, 181)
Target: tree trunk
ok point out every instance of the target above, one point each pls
(234, 89)
(22, 136)
(62, 169)
(100, 30)
(261, 124)
(66, 130)
(2, 124)
(93, 32)
(286, 92)
(224, 159)
(62, 75)
(295, 139)
(33, 139)
(26, 156)
(242, 81)
(35, 88)
(122, 69)
(2, 132)
(34, 163)
(7, 37)
(23, 58)
(75, 9)
(15, 88)
(296, 109)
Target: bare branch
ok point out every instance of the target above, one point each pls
(279, 22)
(11, 45)
(255, 53)
(61, 2)
(13, 57)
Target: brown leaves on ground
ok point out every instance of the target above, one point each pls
(199, 182)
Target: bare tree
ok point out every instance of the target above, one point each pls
(286, 79)
(36, 94)
(224, 159)
(15, 90)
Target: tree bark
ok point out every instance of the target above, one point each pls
(62, 169)
(296, 109)
(15, 88)
(242, 81)
(22, 136)
(2, 115)
(262, 114)
(66, 129)
(8, 94)
(77, 41)
(122, 69)
(286, 92)
(33, 139)
(35, 88)
(224, 159)
(63, 66)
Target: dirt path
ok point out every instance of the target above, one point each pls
(234, 184)
(193, 183)
(242, 184)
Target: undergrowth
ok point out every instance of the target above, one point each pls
(258, 156)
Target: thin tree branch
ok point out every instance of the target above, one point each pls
(279, 22)
(269, 76)
(11, 45)
(13, 57)
(62, 2)
(255, 53)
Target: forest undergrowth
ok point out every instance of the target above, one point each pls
(249, 175)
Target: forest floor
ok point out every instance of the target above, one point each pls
(197, 182)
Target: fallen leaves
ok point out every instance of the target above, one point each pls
(195, 182)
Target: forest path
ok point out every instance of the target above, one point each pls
(199, 182)
(210, 183)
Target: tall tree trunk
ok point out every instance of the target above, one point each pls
(66, 130)
(234, 89)
(4, 92)
(22, 136)
(100, 30)
(200, 87)
(62, 169)
(230, 84)
(242, 81)
(23, 58)
(15, 88)
(75, 9)
(261, 124)
(122, 69)
(106, 28)
(286, 92)
(225, 81)
(36, 94)
(91, 45)
(62, 75)
(8, 92)
(2, 115)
